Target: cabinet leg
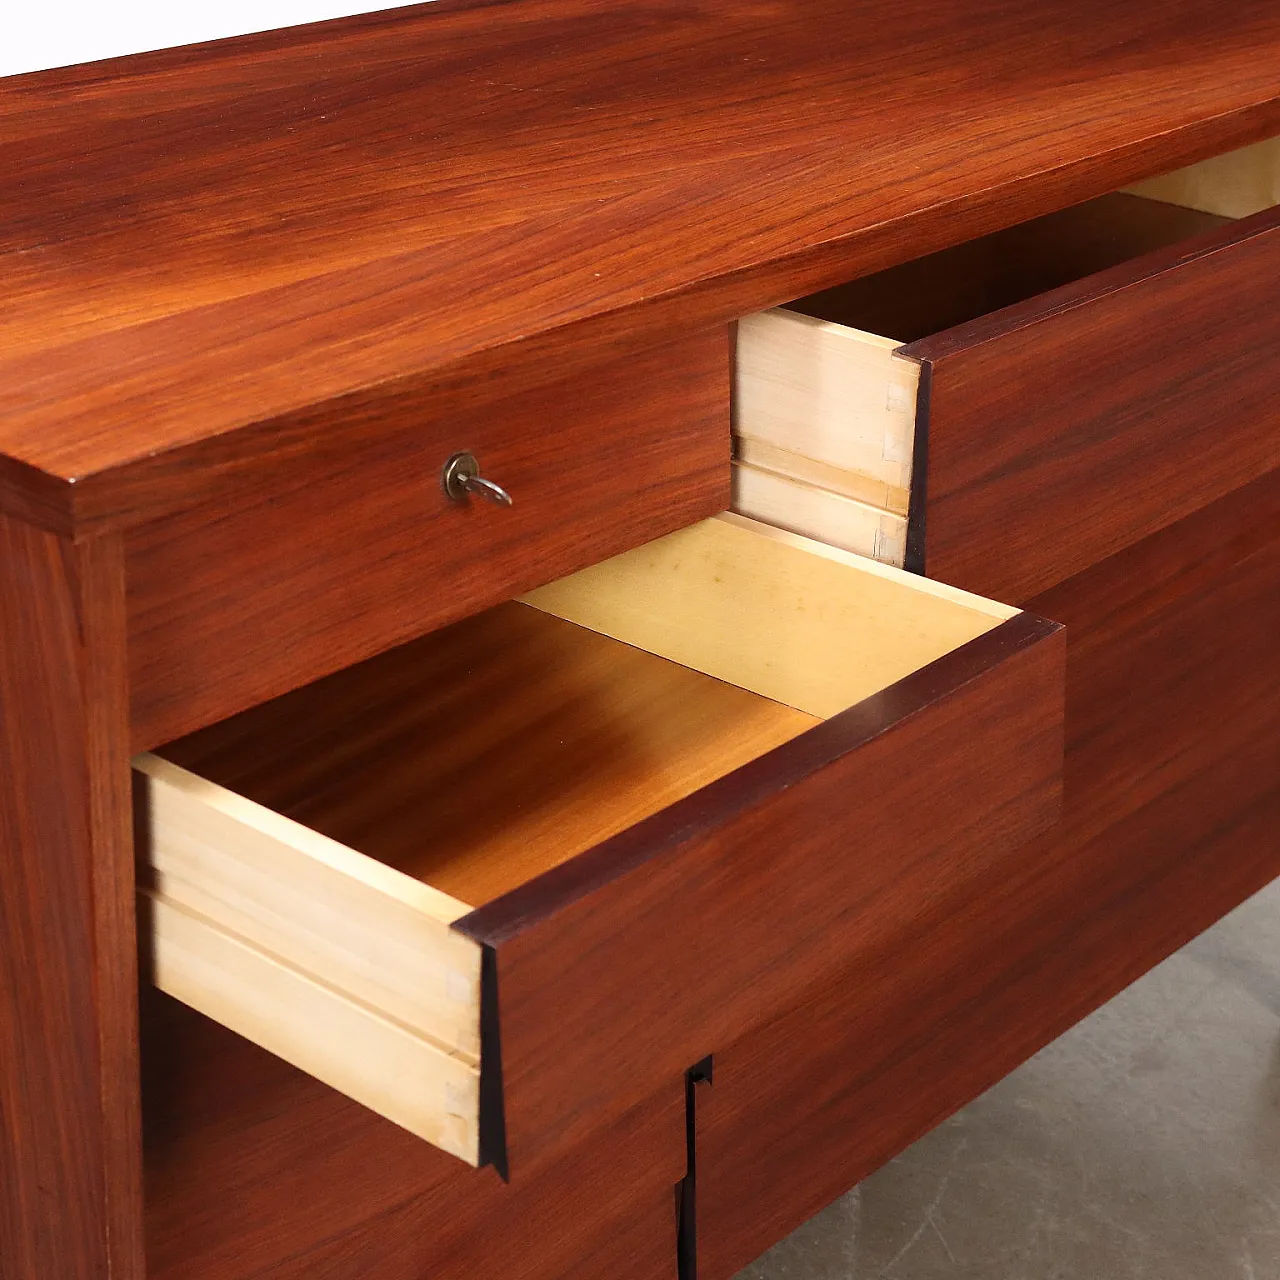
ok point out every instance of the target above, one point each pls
(70, 1150)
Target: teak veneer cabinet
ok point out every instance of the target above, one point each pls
(401, 883)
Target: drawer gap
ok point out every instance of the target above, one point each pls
(925, 296)
(701, 1073)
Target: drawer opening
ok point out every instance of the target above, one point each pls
(308, 857)
(827, 396)
(970, 280)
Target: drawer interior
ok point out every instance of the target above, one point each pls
(491, 751)
(826, 400)
(319, 846)
(499, 747)
(924, 297)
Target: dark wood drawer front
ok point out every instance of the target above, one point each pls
(230, 604)
(648, 952)
(1069, 427)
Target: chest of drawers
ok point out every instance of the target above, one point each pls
(400, 883)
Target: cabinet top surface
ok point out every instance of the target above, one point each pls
(202, 244)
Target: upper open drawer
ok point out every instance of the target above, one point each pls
(502, 882)
(1007, 412)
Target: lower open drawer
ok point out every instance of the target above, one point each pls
(500, 882)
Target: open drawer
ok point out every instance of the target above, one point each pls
(503, 881)
(1010, 411)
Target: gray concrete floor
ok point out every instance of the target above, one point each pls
(1143, 1145)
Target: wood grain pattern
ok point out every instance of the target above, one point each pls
(487, 753)
(635, 958)
(70, 1174)
(1172, 811)
(214, 255)
(318, 565)
(255, 1170)
(1154, 388)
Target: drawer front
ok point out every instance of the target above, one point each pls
(1066, 428)
(256, 1170)
(553, 761)
(636, 959)
(232, 604)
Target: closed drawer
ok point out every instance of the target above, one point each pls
(1006, 413)
(502, 882)
(323, 565)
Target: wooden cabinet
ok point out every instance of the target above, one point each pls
(464, 831)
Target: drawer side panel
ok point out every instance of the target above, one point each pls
(819, 513)
(364, 929)
(1236, 185)
(827, 392)
(347, 1045)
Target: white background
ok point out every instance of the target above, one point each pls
(35, 34)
